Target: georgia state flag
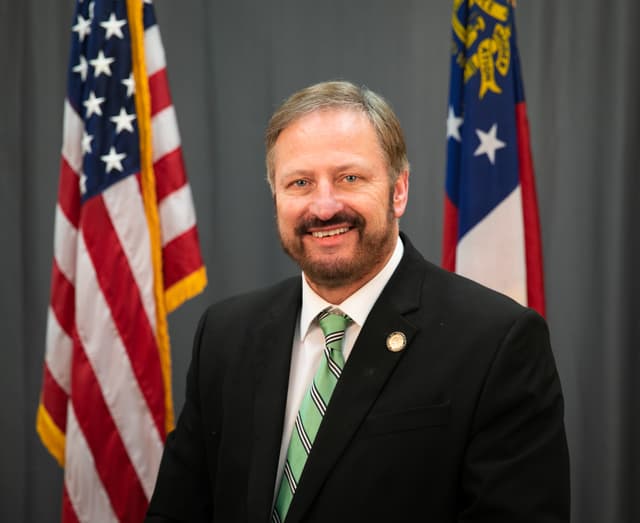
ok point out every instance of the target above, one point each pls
(491, 223)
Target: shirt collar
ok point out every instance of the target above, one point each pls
(358, 305)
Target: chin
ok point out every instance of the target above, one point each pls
(335, 272)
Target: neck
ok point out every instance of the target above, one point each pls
(336, 294)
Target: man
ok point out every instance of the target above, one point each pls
(433, 399)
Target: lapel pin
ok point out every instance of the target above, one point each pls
(396, 341)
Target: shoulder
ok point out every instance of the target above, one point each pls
(467, 296)
(462, 315)
(451, 294)
(256, 304)
(491, 331)
(229, 328)
(481, 312)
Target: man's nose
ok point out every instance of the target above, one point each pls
(325, 203)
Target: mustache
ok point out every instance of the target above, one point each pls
(351, 219)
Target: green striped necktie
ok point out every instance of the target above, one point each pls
(312, 409)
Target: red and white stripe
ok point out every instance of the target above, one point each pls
(181, 254)
(103, 386)
(497, 243)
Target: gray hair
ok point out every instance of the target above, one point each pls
(341, 95)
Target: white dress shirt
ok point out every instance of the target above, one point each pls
(308, 341)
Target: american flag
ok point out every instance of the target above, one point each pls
(126, 253)
(491, 223)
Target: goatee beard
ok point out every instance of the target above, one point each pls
(371, 250)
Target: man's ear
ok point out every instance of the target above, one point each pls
(400, 193)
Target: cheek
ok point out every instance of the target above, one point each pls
(379, 203)
(287, 211)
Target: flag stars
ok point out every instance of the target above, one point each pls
(123, 121)
(101, 64)
(130, 84)
(83, 183)
(113, 160)
(113, 27)
(82, 68)
(82, 27)
(92, 103)
(86, 142)
(489, 143)
(453, 125)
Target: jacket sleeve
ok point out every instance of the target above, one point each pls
(184, 484)
(516, 466)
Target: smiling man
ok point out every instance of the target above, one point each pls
(375, 386)
(337, 203)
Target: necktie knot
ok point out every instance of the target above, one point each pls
(333, 325)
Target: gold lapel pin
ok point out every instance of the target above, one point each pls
(396, 341)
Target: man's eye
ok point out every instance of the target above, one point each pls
(350, 178)
(300, 183)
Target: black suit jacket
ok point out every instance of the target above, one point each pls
(465, 424)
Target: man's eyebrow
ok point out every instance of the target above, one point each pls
(338, 168)
(349, 165)
(297, 172)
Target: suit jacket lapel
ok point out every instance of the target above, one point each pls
(365, 374)
(273, 342)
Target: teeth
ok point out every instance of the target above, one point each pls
(324, 234)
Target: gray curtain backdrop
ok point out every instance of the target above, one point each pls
(230, 64)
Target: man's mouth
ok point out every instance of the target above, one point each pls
(341, 223)
(332, 232)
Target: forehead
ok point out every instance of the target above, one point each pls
(327, 133)
(331, 120)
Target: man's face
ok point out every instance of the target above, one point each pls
(336, 210)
